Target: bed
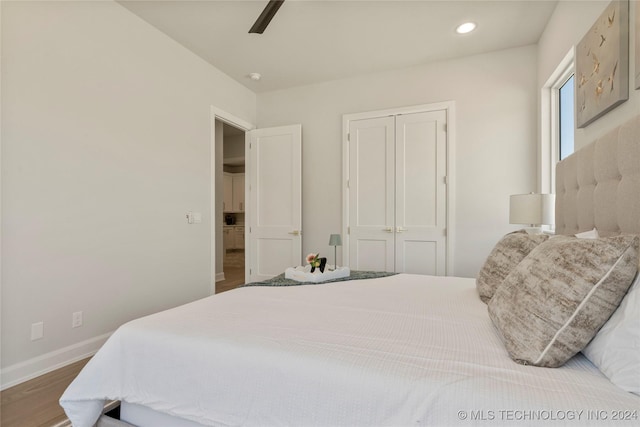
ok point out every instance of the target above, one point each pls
(398, 350)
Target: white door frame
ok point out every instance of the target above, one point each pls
(449, 107)
(223, 116)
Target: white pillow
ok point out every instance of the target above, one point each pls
(616, 347)
(591, 234)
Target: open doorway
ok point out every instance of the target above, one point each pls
(274, 218)
(230, 207)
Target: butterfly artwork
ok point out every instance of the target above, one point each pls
(602, 64)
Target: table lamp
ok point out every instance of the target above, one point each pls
(532, 209)
(335, 240)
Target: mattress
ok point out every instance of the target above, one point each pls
(399, 350)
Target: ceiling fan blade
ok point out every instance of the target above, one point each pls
(266, 16)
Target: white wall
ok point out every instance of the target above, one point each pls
(495, 96)
(569, 23)
(105, 146)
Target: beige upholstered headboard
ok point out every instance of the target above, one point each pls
(599, 185)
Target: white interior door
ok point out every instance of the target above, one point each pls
(371, 195)
(421, 156)
(397, 192)
(274, 185)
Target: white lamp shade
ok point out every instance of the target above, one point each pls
(534, 209)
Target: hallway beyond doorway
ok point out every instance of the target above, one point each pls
(233, 271)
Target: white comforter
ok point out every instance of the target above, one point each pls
(401, 350)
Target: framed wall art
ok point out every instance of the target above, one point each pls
(602, 64)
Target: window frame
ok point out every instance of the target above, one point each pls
(555, 117)
(550, 123)
(571, 83)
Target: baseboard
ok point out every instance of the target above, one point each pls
(219, 277)
(29, 369)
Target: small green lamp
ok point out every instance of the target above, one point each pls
(335, 240)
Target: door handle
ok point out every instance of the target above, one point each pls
(400, 229)
(388, 229)
(296, 232)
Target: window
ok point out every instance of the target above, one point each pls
(557, 120)
(565, 118)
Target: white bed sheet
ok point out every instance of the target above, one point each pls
(400, 350)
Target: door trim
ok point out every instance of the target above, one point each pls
(449, 108)
(223, 116)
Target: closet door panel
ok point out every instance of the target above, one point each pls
(421, 145)
(420, 257)
(372, 255)
(373, 176)
(416, 177)
(371, 196)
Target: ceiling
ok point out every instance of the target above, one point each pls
(311, 41)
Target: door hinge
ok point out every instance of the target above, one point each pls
(444, 127)
(445, 180)
(444, 232)
(348, 230)
(348, 184)
(349, 136)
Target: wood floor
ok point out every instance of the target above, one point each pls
(35, 403)
(233, 271)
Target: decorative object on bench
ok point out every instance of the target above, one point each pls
(315, 261)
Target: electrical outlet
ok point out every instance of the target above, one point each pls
(37, 331)
(76, 319)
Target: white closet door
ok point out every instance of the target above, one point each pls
(371, 195)
(421, 144)
(274, 173)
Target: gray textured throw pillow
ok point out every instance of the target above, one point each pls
(555, 301)
(504, 257)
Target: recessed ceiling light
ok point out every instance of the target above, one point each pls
(465, 28)
(255, 76)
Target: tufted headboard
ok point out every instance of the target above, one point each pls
(599, 185)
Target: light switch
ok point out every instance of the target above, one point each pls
(197, 217)
(190, 217)
(37, 331)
